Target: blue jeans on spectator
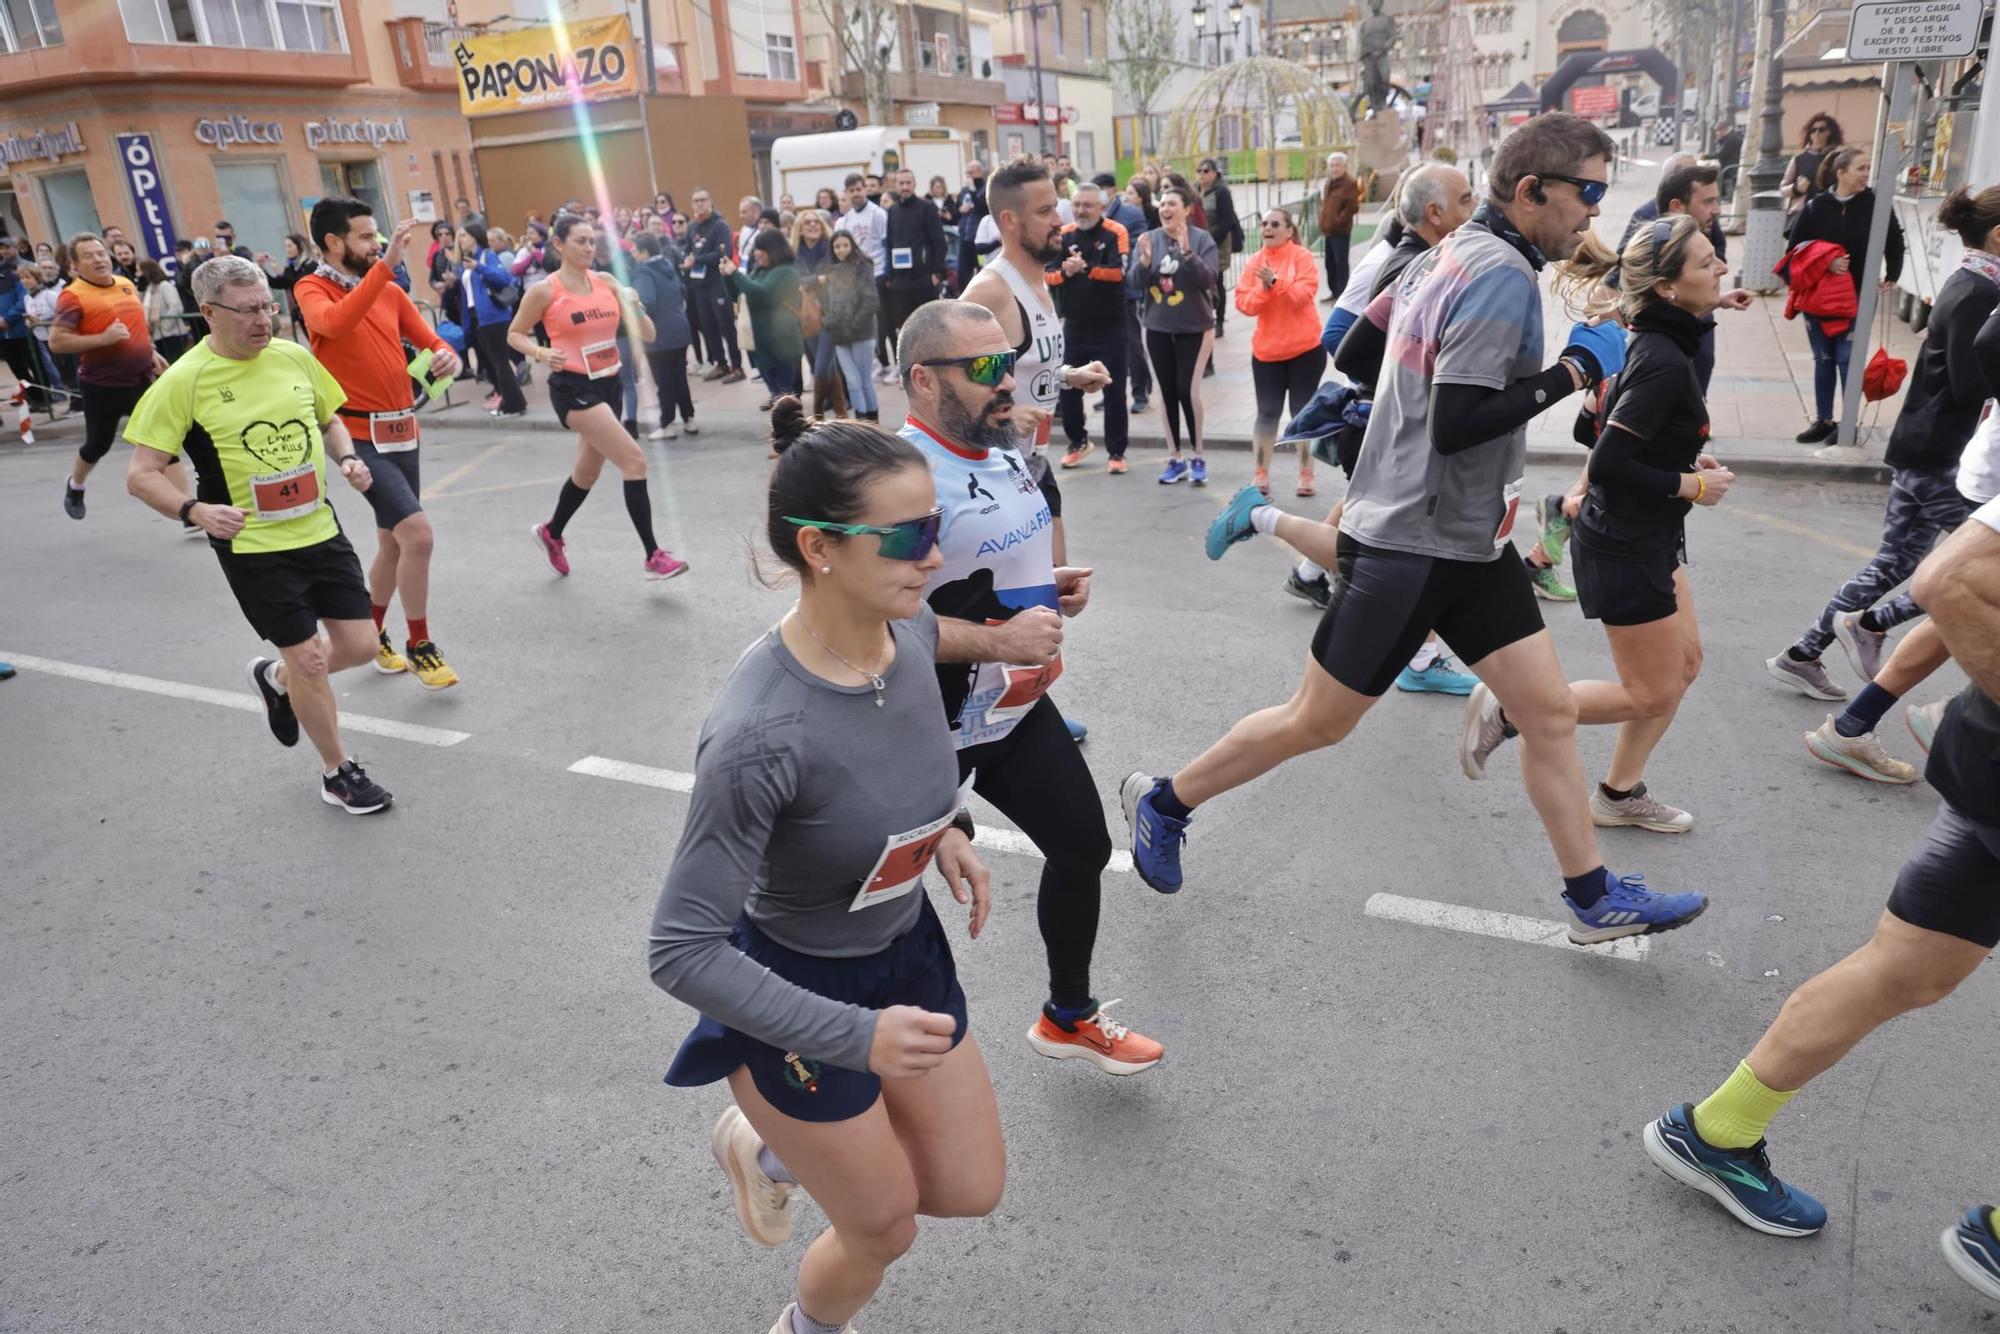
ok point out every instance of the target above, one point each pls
(856, 362)
(778, 378)
(1829, 361)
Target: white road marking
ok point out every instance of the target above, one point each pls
(241, 700)
(1502, 925)
(644, 775)
(993, 836)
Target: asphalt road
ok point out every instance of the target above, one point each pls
(270, 1068)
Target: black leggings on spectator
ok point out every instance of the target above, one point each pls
(499, 360)
(670, 377)
(1178, 359)
(1036, 777)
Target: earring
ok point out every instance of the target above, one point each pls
(826, 569)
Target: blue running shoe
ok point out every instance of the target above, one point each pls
(1442, 677)
(1628, 908)
(1740, 1179)
(1973, 1251)
(1198, 471)
(1175, 471)
(1233, 524)
(1077, 731)
(1156, 836)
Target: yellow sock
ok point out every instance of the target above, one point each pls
(1735, 1115)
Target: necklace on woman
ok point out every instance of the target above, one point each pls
(873, 678)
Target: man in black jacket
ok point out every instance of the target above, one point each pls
(1223, 225)
(709, 243)
(1089, 281)
(971, 208)
(916, 247)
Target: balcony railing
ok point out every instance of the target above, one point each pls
(423, 53)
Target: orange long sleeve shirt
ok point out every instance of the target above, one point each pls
(357, 333)
(1287, 321)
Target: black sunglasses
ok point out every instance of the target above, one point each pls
(1590, 191)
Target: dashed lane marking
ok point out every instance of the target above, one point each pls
(241, 700)
(992, 836)
(1500, 925)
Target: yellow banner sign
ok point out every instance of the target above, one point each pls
(529, 68)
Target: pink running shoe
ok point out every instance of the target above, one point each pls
(664, 564)
(552, 548)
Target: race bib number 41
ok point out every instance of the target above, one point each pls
(279, 496)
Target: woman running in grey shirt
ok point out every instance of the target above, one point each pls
(795, 917)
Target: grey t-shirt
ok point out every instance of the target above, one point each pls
(800, 786)
(1185, 302)
(1466, 312)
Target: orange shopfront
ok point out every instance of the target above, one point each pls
(173, 165)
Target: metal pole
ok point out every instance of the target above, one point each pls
(1897, 87)
(1041, 102)
(1764, 239)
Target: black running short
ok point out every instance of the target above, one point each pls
(1951, 882)
(1385, 602)
(1623, 589)
(104, 407)
(393, 495)
(286, 594)
(570, 392)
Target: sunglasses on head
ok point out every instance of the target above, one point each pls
(988, 368)
(1589, 191)
(912, 539)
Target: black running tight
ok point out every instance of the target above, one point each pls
(1036, 777)
(1178, 361)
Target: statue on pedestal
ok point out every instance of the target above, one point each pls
(1378, 36)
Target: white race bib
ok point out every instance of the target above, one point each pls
(278, 496)
(905, 857)
(393, 432)
(600, 359)
(1510, 496)
(900, 258)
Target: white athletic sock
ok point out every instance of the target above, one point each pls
(271, 677)
(1265, 519)
(1427, 653)
(1307, 572)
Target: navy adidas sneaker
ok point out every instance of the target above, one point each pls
(1156, 836)
(1973, 1251)
(1740, 1180)
(1628, 908)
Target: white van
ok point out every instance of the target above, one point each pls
(802, 163)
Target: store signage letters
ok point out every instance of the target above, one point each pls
(149, 196)
(231, 130)
(51, 145)
(373, 133)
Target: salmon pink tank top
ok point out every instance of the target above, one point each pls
(585, 328)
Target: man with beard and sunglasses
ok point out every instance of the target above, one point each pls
(1426, 535)
(358, 320)
(1000, 599)
(1014, 288)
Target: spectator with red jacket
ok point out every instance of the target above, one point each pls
(1841, 212)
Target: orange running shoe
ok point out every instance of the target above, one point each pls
(1077, 454)
(1099, 1039)
(1116, 467)
(1305, 487)
(1262, 480)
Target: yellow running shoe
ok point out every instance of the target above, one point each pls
(387, 660)
(429, 666)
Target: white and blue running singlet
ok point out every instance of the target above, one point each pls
(1038, 358)
(999, 558)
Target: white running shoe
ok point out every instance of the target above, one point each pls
(1638, 811)
(763, 1205)
(1862, 756)
(1809, 678)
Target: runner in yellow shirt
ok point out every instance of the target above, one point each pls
(257, 417)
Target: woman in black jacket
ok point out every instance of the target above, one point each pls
(1821, 138)
(851, 304)
(1928, 496)
(1648, 466)
(1841, 213)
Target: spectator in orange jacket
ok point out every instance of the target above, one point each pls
(1277, 289)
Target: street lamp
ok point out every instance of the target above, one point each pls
(1235, 12)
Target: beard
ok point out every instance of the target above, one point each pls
(1050, 250)
(978, 428)
(359, 268)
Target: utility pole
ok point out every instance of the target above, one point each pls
(1033, 9)
(1764, 239)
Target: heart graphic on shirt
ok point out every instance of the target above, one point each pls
(279, 447)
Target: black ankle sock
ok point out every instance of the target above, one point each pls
(1613, 794)
(1798, 655)
(1870, 624)
(1586, 889)
(639, 504)
(566, 505)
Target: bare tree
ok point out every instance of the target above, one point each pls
(865, 31)
(1143, 36)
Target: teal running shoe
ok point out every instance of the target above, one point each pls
(1442, 677)
(1740, 1180)
(1233, 524)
